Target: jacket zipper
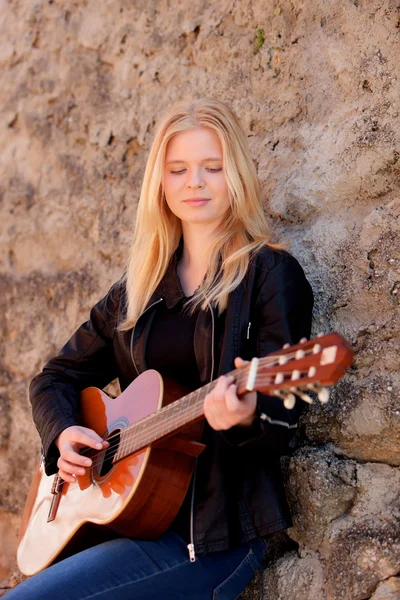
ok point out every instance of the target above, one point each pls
(133, 331)
(192, 553)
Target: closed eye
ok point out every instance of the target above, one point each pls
(209, 169)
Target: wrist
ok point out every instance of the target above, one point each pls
(247, 423)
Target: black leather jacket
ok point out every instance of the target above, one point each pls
(237, 492)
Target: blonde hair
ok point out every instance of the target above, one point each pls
(158, 231)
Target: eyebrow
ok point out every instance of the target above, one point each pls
(210, 159)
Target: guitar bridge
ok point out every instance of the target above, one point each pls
(56, 489)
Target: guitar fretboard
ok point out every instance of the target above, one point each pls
(170, 418)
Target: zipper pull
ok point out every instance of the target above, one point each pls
(192, 554)
(248, 331)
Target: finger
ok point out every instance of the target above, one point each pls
(214, 403)
(68, 454)
(95, 436)
(67, 476)
(216, 412)
(223, 383)
(218, 392)
(70, 468)
(88, 438)
(241, 410)
(232, 402)
(211, 411)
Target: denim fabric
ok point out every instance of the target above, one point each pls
(126, 569)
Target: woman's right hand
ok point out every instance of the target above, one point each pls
(69, 442)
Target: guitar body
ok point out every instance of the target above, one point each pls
(138, 496)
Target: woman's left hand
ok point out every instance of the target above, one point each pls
(222, 407)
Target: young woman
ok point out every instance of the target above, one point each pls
(203, 292)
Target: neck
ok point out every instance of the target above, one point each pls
(196, 245)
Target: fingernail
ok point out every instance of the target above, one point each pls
(99, 446)
(88, 462)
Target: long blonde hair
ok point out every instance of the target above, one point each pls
(158, 231)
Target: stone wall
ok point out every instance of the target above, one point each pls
(316, 85)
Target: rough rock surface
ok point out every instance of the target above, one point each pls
(387, 590)
(316, 85)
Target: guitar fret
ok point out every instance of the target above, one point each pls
(278, 374)
(155, 426)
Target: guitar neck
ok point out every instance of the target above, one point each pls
(299, 369)
(171, 418)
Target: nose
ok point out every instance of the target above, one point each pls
(194, 179)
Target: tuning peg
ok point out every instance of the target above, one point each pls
(323, 395)
(304, 339)
(302, 395)
(322, 392)
(316, 348)
(289, 399)
(299, 354)
(320, 335)
(285, 346)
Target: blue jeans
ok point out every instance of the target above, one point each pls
(125, 569)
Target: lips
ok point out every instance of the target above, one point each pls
(197, 201)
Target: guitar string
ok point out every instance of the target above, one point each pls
(126, 446)
(273, 361)
(153, 428)
(240, 372)
(129, 444)
(193, 409)
(137, 425)
(172, 418)
(165, 409)
(59, 483)
(156, 416)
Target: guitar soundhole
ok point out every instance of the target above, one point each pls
(105, 463)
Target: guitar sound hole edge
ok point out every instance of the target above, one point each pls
(103, 465)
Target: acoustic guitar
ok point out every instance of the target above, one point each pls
(136, 486)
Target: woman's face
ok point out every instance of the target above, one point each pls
(195, 186)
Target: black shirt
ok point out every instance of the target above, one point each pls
(170, 348)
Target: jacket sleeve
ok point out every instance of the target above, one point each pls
(87, 359)
(283, 312)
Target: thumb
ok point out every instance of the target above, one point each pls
(239, 362)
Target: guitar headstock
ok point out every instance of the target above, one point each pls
(308, 366)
